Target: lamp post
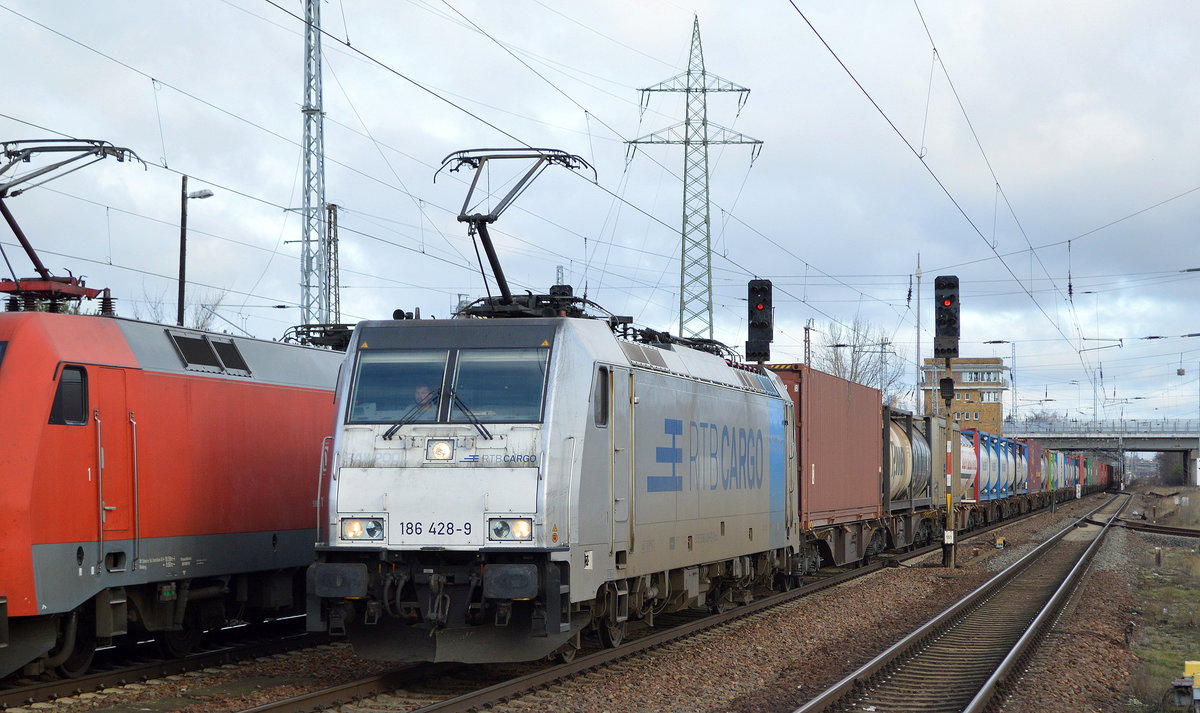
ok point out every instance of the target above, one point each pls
(183, 202)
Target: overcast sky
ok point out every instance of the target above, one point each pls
(1048, 157)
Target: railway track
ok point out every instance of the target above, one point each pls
(439, 687)
(960, 660)
(429, 688)
(115, 667)
(1155, 529)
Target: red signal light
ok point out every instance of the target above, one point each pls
(760, 306)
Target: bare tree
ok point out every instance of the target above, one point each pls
(860, 353)
(1044, 416)
(199, 314)
(151, 308)
(204, 311)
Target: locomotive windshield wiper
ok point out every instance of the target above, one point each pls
(411, 414)
(487, 435)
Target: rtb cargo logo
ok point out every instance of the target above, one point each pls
(718, 456)
(520, 458)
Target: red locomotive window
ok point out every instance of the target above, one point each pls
(2, 346)
(70, 405)
(230, 356)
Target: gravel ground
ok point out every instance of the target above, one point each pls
(1084, 665)
(767, 663)
(777, 662)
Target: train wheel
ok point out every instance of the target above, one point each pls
(611, 633)
(180, 643)
(82, 652)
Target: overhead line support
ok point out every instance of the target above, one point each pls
(696, 134)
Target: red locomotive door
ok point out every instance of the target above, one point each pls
(115, 435)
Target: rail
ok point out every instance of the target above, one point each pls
(872, 676)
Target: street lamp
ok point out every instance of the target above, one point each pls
(1012, 372)
(183, 200)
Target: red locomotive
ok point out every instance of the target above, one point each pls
(158, 480)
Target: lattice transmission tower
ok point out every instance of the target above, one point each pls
(696, 134)
(315, 284)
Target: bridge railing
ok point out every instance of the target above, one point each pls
(1083, 427)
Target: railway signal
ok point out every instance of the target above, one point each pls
(760, 321)
(945, 346)
(946, 312)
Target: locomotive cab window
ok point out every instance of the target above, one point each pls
(2, 346)
(411, 386)
(70, 399)
(391, 386)
(499, 385)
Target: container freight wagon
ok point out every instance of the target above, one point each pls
(845, 490)
(157, 480)
(1039, 470)
(839, 463)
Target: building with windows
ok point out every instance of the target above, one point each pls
(979, 386)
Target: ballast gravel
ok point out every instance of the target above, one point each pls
(767, 663)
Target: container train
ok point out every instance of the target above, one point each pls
(158, 481)
(500, 487)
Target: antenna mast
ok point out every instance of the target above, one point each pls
(696, 134)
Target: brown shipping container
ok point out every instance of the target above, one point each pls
(840, 459)
(1037, 478)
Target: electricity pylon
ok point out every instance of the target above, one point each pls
(696, 134)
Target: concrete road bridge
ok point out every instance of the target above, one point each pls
(1179, 436)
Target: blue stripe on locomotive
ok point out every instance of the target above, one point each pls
(734, 474)
(777, 473)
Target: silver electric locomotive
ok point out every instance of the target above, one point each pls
(498, 487)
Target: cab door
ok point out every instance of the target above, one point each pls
(621, 465)
(115, 435)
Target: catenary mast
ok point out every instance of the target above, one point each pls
(314, 248)
(696, 134)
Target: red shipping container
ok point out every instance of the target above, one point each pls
(1037, 467)
(840, 458)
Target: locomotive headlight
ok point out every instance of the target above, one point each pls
(510, 528)
(362, 529)
(442, 449)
